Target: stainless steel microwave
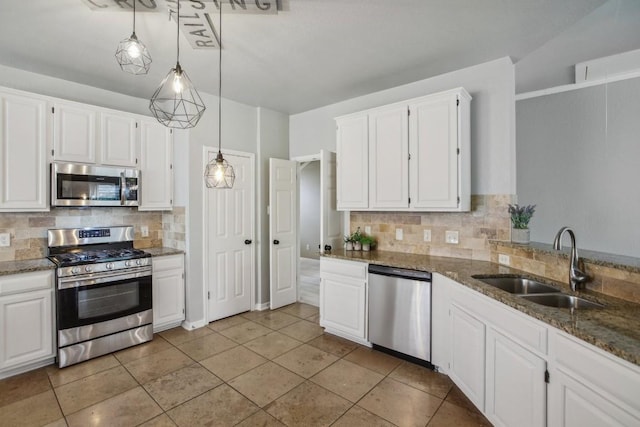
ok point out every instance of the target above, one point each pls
(87, 185)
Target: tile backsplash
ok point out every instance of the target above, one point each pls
(28, 230)
(487, 220)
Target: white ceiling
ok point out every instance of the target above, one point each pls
(310, 54)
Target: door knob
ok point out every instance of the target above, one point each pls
(327, 248)
(276, 242)
(247, 242)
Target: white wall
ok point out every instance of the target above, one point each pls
(273, 141)
(64, 89)
(492, 87)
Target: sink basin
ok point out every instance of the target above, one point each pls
(562, 301)
(516, 285)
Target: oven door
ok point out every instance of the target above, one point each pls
(102, 297)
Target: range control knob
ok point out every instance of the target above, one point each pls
(127, 263)
(109, 266)
(139, 262)
(88, 269)
(75, 270)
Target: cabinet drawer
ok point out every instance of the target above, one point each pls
(25, 282)
(519, 327)
(167, 262)
(354, 269)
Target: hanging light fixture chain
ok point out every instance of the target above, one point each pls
(220, 79)
(178, 34)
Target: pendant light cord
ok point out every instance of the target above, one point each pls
(220, 80)
(134, 16)
(178, 35)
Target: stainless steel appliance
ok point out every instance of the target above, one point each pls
(87, 185)
(400, 312)
(103, 295)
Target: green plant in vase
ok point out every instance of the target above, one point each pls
(367, 242)
(356, 237)
(520, 217)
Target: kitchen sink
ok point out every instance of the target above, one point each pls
(561, 301)
(516, 284)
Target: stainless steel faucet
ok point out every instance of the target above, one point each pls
(576, 275)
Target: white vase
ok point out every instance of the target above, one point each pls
(349, 246)
(357, 246)
(520, 235)
(366, 247)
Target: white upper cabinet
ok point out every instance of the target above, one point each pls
(352, 167)
(119, 139)
(23, 153)
(74, 133)
(156, 142)
(439, 147)
(418, 155)
(388, 155)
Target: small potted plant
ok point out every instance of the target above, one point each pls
(367, 242)
(520, 217)
(348, 243)
(356, 238)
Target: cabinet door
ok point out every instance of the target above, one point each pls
(352, 166)
(118, 142)
(156, 166)
(388, 158)
(467, 365)
(74, 133)
(515, 390)
(27, 328)
(168, 291)
(574, 404)
(23, 159)
(433, 136)
(342, 305)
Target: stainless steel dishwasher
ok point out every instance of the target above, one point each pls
(400, 311)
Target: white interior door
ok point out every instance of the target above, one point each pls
(230, 257)
(331, 223)
(282, 231)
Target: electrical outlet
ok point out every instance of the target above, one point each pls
(367, 230)
(451, 236)
(504, 259)
(399, 234)
(5, 239)
(307, 246)
(144, 230)
(426, 235)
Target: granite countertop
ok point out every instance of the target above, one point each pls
(614, 328)
(25, 266)
(163, 251)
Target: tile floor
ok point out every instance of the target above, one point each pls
(273, 368)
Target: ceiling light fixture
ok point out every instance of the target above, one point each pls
(132, 54)
(219, 173)
(176, 103)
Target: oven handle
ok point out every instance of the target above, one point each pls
(123, 183)
(99, 278)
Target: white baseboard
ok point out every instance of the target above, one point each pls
(194, 325)
(347, 336)
(262, 307)
(30, 367)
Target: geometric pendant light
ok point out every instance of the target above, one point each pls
(219, 173)
(176, 103)
(132, 54)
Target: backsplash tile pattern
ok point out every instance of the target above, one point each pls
(174, 228)
(488, 219)
(616, 282)
(28, 230)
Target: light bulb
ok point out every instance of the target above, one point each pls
(219, 173)
(178, 87)
(134, 50)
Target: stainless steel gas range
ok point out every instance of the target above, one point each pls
(103, 296)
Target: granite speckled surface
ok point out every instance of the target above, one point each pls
(163, 251)
(614, 328)
(25, 266)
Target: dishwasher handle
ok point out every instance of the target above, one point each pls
(383, 270)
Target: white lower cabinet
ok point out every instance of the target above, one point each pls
(26, 321)
(343, 298)
(168, 292)
(589, 387)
